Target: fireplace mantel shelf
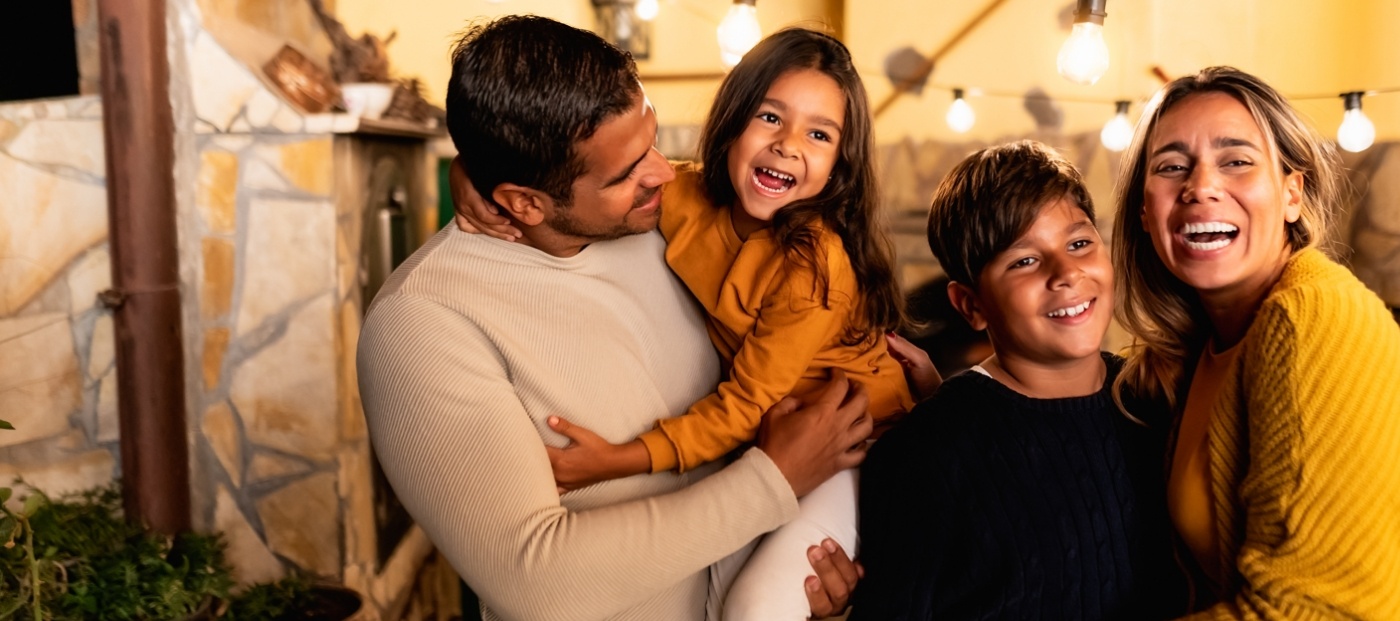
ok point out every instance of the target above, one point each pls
(340, 123)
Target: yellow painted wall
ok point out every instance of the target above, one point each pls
(1304, 47)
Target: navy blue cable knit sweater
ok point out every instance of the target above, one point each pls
(987, 504)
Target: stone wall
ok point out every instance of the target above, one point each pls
(57, 375)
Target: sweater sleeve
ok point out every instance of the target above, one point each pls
(793, 325)
(1320, 500)
(470, 466)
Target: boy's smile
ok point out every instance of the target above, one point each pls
(1047, 299)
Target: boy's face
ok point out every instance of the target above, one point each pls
(1049, 297)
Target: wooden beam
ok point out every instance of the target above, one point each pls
(139, 136)
(932, 60)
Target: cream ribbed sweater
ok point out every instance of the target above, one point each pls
(466, 351)
(1305, 454)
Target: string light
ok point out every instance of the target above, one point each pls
(1357, 132)
(960, 115)
(1118, 131)
(739, 32)
(646, 10)
(1084, 57)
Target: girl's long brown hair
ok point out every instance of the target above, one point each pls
(849, 205)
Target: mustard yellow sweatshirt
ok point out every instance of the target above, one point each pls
(774, 334)
(1305, 455)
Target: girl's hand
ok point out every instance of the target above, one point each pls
(590, 459)
(923, 377)
(474, 214)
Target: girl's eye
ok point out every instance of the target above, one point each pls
(768, 117)
(1026, 262)
(1080, 244)
(822, 136)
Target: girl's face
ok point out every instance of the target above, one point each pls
(1216, 200)
(789, 147)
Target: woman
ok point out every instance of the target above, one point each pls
(1282, 369)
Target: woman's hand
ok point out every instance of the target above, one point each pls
(923, 377)
(590, 459)
(474, 213)
(829, 592)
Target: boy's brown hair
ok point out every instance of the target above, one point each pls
(991, 198)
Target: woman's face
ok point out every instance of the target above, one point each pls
(1216, 199)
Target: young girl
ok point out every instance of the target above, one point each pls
(776, 234)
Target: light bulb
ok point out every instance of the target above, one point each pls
(1357, 132)
(646, 10)
(1084, 57)
(1117, 133)
(960, 115)
(739, 32)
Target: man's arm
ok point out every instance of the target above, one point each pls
(470, 466)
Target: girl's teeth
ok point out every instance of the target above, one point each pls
(1072, 311)
(783, 176)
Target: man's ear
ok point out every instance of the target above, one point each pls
(526, 205)
(965, 301)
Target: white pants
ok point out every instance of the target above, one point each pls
(769, 587)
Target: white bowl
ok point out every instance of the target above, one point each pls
(367, 99)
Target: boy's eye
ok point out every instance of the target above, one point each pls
(1025, 262)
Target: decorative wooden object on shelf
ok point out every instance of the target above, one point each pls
(302, 82)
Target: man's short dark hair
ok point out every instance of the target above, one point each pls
(991, 198)
(525, 91)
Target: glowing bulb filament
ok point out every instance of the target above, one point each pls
(738, 33)
(960, 115)
(1084, 57)
(1117, 133)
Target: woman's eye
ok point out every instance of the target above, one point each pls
(1238, 163)
(1163, 169)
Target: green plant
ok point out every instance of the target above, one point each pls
(77, 558)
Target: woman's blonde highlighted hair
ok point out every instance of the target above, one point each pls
(1164, 314)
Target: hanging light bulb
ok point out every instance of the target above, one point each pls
(1084, 57)
(739, 32)
(646, 10)
(960, 115)
(1357, 132)
(1118, 131)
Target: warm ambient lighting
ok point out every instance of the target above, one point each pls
(1118, 131)
(960, 116)
(1084, 57)
(646, 10)
(739, 32)
(1357, 133)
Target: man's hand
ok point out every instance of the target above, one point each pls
(811, 443)
(474, 213)
(590, 459)
(923, 377)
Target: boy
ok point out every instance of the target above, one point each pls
(1019, 491)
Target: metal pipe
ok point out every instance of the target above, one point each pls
(139, 134)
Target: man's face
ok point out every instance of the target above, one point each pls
(619, 192)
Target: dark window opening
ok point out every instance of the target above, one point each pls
(44, 62)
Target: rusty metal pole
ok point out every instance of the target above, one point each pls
(139, 131)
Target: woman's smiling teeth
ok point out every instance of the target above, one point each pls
(1208, 235)
(1071, 311)
(773, 181)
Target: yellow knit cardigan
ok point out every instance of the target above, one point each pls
(1305, 455)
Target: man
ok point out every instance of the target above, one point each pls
(475, 343)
